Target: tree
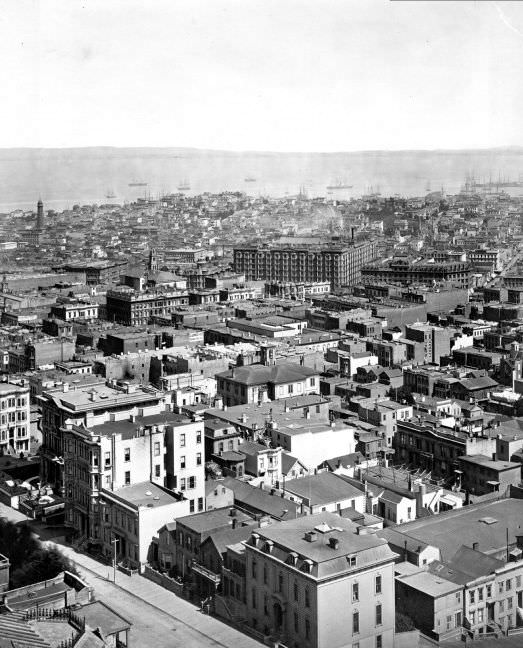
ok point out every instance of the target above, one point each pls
(31, 562)
(404, 623)
(402, 393)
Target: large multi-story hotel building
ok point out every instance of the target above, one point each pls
(336, 263)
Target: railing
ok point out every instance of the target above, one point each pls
(49, 614)
(204, 571)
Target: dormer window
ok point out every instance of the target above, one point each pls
(269, 546)
(307, 566)
(292, 558)
(351, 560)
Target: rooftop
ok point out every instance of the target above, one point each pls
(431, 584)
(322, 488)
(485, 523)
(143, 494)
(213, 520)
(260, 374)
(328, 560)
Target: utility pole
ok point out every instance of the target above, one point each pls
(113, 542)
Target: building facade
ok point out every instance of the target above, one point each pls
(339, 265)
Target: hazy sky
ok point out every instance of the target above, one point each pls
(285, 75)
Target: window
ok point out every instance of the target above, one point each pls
(307, 597)
(472, 596)
(156, 448)
(265, 574)
(355, 622)
(351, 560)
(198, 437)
(355, 592)
(518, 581)
(157, 470)
(502, 606)
(191, 506)
(107, 459)
(489, 591)
(192, 482)
(182, 440)
(127, 454)
(379, 641)
(307, 629)
(295, 591)
(500, 587)
(313, 382)
(200, 503)
(379, 614)
(296, 622)
(509, 603)
(253, 567)
(198, 458)
(472, 618)
(182, 461)
(265, 605)
(253, 597)
(280, 582)
(480, 594)
(182, 483)
(480, 615)
(378, 585)
(508, 585)
(127, 477)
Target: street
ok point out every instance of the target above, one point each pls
(160, 619)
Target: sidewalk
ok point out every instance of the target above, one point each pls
(153, 594)
(149, 593)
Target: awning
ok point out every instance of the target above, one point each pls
(446, 499)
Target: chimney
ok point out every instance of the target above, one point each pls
(65, 387)
(334, 543)
(311, 536)
(493, 456)
(234, 523)
(475, 546)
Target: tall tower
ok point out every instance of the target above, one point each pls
(40, 215)
(153, 260)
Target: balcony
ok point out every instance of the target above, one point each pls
(206, 573)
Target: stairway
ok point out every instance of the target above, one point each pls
(13, 627)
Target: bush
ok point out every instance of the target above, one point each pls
(31, 562)
(404, 623)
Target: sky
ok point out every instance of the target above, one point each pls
(278, 75)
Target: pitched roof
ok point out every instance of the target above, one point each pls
(322, 488)
(260, 374)
(259, 500)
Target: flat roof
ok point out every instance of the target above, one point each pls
(143, 494)
(99, 615)
(485, 523)
(482, 460)
(431, 584)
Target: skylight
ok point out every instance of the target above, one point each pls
(488, 520)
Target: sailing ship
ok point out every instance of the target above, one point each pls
(339, 183)
(110, 194)
(137, 183)
(249, 179)
(184, 186)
